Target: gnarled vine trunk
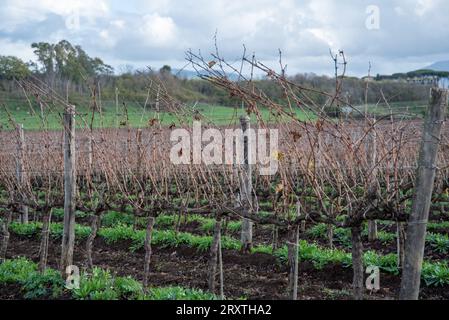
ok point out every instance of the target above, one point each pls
(43, 250)
(293, 262)
(5, 235)
(401, 238)
(357, 262)
(214, 251)
(94, 226)
(148, 251)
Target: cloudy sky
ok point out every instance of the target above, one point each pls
(394, 35)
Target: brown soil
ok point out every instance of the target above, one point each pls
(254, 276)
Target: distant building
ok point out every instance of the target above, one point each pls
(424, 79)
(419, 77)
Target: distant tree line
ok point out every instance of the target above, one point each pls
(68, 69)
(68, 62)
(414, 74)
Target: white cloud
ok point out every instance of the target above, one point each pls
(399, 11)
(108, 40)
(15, 13)
(327, 37)
(157, 31)
(424, 6)
(118, 23)
(16, 48)
(148, 32)
(86, 8)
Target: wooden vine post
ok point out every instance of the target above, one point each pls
(45, 238)
(246, 186)
(140, 154)
(68, 236)
(220, 266)
(148, 250)
(20, 169)
(116, 108)
(371, 157)
(425, 177)
(357, 261)
(5, 235)
(371, 153)
(90, 153)
(215, 255)
(293, 257)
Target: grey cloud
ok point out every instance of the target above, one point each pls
(411, 33)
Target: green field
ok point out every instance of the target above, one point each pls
(405, 109)
(135, 116)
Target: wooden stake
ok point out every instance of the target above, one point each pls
(292, 248)
(43, 250)
(6, 235)
(116, 107)
(68, 236)
(371, 154)
(357, 262)
(139, 153)
(90, 152)
(214, 254)
(425, 177)
(20, 170)
(220, 267)
(246, 186)
(148, 251)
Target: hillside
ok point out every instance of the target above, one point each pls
(439, 66)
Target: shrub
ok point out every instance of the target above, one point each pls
(28, 229)
(435, 274)
(177, 293)
(128, 287)
(16, 270)
(47, 285)
(113, 218)
(439, 242)
(97, 286)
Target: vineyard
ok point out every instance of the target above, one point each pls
(352, 190)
